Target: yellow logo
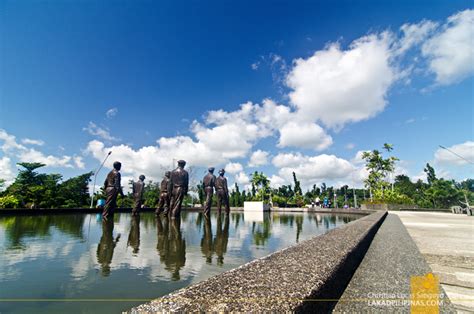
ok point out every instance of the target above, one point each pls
(424, 294)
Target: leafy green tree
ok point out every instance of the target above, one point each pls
(297, 185)
(430, 174)
(9, 201)
(262, 186)
(201, 193)
(443, 194)
(378, 167)
(404, 185)
(27, 185)
(151, 194)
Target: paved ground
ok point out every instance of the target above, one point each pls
(447, 242)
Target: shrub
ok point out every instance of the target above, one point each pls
(9, 201)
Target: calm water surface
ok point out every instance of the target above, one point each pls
(130, 259)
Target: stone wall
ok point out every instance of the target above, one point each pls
(299, 278)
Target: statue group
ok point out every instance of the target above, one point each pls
(173, 188)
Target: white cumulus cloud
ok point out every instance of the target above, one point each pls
(258, 158)
(242, 179)
(233, 167)
(338, 86)
(12, 148)
(7, 172)
(465, 150)
(304, 135)
(451, 51)
(28, 141)
(102, 133)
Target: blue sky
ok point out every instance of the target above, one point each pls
(321, 80)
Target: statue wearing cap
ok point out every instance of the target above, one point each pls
(137, 189)
(112, 188)
(164, 202)
(178, 185)
(222, 192)
(209, 182)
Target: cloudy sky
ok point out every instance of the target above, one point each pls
(278, 86)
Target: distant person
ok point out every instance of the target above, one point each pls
(209, 183)
(317, 201)
(164, 202)
(325, 202)
(178, 185)
(222, 192)
(137, 189)
(112, 188)
(101, 203)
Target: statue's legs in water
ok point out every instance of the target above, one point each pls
(222, 199)
(136, 207)
(176, 200)
(209, 193)
(110, 202)
(163, 204)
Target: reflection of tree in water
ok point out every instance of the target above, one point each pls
(236, 217)
(299, 226)
(261, 232)
(105, 249)
(134, 235)
(286, 220)
(171, 246)
(219, 244)
(20, 227)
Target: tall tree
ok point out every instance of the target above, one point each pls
(430, 174)
(297, 185)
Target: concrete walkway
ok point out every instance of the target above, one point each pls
(447, 243)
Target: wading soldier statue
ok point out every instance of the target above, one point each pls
(112, 188)
(222, 192)
(178, 185)
(209, 182)
(164, 203)
(138, 188)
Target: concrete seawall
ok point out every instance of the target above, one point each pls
(309, 276)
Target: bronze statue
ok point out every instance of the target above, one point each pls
(164, 202)
(112, 188)
(105, 249)
(137, 189)
(222, 192)
(178, 185)
(209, 182)
(134, 235)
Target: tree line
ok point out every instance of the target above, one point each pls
(32, 189)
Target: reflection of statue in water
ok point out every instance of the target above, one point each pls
(222, 192)
(164, 203)
(134, 235)
(221, 239)
(178, 185)
(105, 249)
(162, 232)
(206, 241)
(209, 182)
(137, 189)
(171, 245)
(112, 188)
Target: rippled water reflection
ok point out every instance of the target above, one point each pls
(127, 259)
